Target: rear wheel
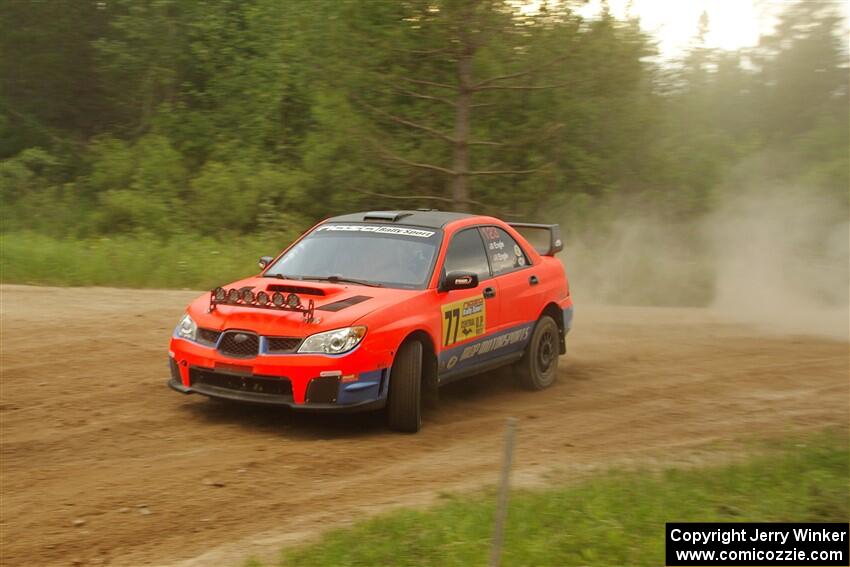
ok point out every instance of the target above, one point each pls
(538, 367)
(404, 411)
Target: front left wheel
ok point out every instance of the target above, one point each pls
(404, 405)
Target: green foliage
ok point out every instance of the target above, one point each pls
(176, 117)
(111, 165)
(140, 259)
(158, 168)
(240, 197)
(614, 519)
(121, 210)
(24, 174)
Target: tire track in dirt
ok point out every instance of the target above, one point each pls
(91, 434)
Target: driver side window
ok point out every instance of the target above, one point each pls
(466, 254)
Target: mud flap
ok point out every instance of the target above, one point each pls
(565, 329)
(430, 386)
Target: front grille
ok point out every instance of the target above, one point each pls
(240, 344)
(208, 336)
(256, 384)
(282, 345)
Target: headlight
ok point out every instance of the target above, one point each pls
(333, 342)
(186, 328)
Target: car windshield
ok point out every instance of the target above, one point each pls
(391, 256)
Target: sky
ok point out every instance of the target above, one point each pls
(732, 23)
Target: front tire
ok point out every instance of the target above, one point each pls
(404, 411)
(538, 367)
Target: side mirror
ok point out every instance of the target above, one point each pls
(459, 280)
(265, 261)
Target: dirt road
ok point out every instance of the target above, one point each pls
(102, 464)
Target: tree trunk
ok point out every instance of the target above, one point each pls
(460, 147)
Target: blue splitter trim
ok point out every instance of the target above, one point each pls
(368, 387)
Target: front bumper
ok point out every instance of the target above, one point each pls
(274, 400)
(356, 381)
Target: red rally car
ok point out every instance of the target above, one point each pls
(377, 310)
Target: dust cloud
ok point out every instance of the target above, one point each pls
(780, 261)
(777, 258)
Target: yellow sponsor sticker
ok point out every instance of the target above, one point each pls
(464, 319)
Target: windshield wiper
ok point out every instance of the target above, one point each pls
(281, 277)
(340, 279)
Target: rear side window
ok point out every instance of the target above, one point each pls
(504, 253)
(466, 254)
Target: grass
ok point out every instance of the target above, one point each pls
(182, 261)
(614, 519)
(145, 260)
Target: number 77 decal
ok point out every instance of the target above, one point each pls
(463, 320)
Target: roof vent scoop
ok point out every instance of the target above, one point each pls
(388, 216)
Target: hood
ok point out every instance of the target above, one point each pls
(336, 305)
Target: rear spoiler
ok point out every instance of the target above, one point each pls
(546, 238)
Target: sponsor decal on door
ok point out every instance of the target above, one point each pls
(464, 319)
(467, 356)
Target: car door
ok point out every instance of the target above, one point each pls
(467, 315)
(516, 278)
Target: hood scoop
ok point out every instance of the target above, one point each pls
(299, 289)
(343, 303)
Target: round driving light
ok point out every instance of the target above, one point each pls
(247, 296)
(277, 299)
(233, 295)
(219, 294)
(293, 300)
(262, 298)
